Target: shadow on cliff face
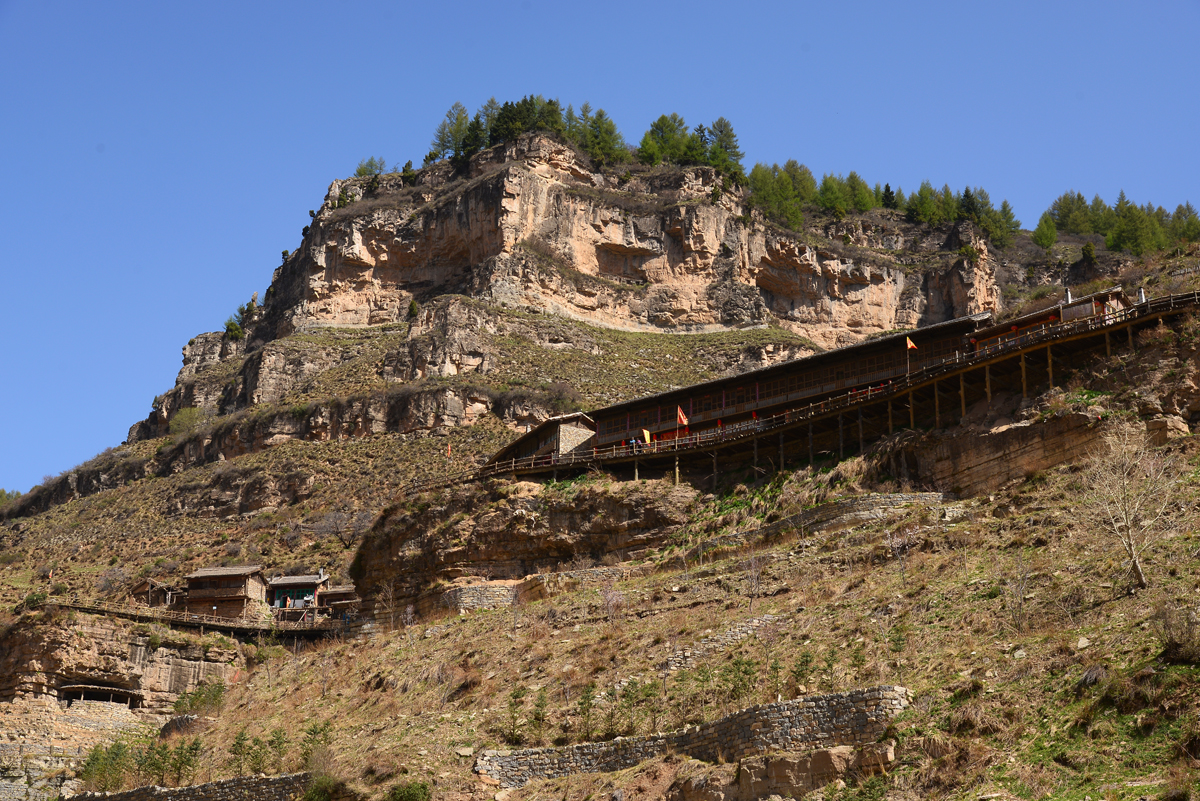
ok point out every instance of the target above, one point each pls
(500, 530)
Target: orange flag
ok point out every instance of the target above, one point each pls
(680, 417)
(911, 345)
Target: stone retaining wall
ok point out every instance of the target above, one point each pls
(288, 787)
(851, 718)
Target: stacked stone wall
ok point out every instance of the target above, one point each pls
(288, 787)
(851, 718)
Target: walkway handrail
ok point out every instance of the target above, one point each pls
(1023, 340)
(187, 618)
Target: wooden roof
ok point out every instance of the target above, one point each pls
(311, 580)
(222, 572)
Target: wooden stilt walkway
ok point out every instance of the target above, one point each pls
(901, 386)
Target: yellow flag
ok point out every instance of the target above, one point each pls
(646, 434)
(911, 345)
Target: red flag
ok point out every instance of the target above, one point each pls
(911, 344)
(680, 417)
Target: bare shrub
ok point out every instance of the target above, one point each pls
(613, 601)
(1178, 632)
(1131, 493)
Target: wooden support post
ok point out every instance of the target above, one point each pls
(1050, 365)
(676, 468)
(912, 413)
(962, 392)
(714, 472)
(635, 469)
(1024, 383)
(841, 439)
(937, 406)
(756, 454)
(1107, 344)
(860, 432)
(890, 429)
(811, 459)
(781, 463)
(1129, 331)
(987, 379)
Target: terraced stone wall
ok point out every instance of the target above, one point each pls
(855, 718)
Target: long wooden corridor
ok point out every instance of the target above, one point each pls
(936, 395)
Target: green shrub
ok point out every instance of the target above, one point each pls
(187, 420)
(410, 791)
(320, 788)
(233, 330)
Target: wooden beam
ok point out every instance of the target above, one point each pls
(962, 393)
(860, 432)
(937, 406)
(1129, 331)
(1107, 344)
(677, 466)
(1024, 383)
(912, 413)
(1050, 365)
(810, 445)
(841, 439)
(890, 430)
(987, 378)
(781, 462)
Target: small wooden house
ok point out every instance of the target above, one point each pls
(155, 593)
(554, 437)
(342, 600)
(231, 592)
(297, 592)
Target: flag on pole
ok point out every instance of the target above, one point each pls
(646, 434)
(680, 417)
(911, 345)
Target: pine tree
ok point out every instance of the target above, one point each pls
(1046, 234)
(888, 197)
(724, 138)
(450, 132)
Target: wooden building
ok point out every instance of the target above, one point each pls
(155, 593)
(554, 437)
(770, 390)
(233, 592)
(342, 600)
(1103, 305)
(297, 592)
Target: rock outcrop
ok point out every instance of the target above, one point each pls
(36, 661)
(531, 226)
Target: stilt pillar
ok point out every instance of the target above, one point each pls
(962, 392)
(1129, 332)
(912, 412)
(676, 469)
(1107, 344)
(890, 429)
(756, 454)
(1050, 365)
(860, 432)
(811, 454)
(841, 439)
(1024, 383)
(987, 379)
(635, 469)
(781, 464)
(714, 472)
(937, 406)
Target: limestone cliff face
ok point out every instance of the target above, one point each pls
(533, 229)
(472, 532)
(35, 661)
(668, 256)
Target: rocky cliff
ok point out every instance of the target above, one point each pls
(668, 250)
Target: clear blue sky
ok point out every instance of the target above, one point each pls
(157, 157)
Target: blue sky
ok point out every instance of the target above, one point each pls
(157, 157)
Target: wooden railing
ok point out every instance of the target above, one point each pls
(902, 384)
(147, 613)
